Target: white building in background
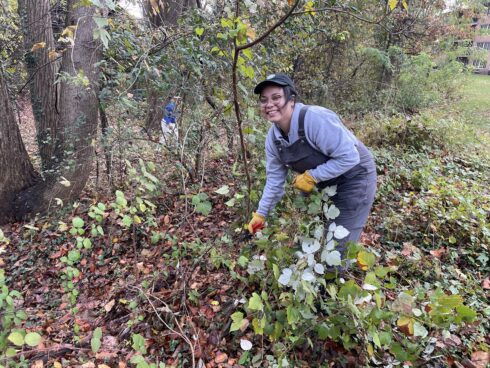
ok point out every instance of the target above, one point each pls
(482, 41)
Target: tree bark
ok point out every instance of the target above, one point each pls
(17, 172)
(42, 69)
(76, 127)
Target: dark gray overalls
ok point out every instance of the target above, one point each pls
(355, 188)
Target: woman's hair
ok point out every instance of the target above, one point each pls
(289, 93)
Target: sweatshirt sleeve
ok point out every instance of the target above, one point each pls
(325, 132)
(276, 177)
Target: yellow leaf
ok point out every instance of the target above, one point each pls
(251, 33)
(370, 350)
(392, 4)
(309, 7)
(38, 46)
(52, 55)
(68, 31)
(137, 219)
(57, 365)
(405, 5)
(155, 7)
(214, 302)
(405, 324)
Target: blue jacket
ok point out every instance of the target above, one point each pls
(324, 132)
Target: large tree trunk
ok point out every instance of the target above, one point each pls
(17, 172)
(42, 67)
(77, 124)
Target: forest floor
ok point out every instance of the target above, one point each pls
(166, 291)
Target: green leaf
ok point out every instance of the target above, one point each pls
(255, 303)
(199, 31)
(204, 208)
(77, 222)
(127, 221)
(33, 339)
(242, 261)
(16, 338)
(95, 344)
(465, 314)
(74, 255)
(238, 321)
(224, 190)
(87, 243)
(10, 352)
(97, 333)
(135, 359)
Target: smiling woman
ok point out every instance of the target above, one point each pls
(313, 142)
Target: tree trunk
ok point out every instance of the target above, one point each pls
(42, 68)
(77, 124)
(16, 171)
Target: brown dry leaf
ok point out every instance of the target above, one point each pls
(105, 355)
(37, 364)
(438, 252)
(109, 305)
(486, 283)
(2, 262)
(408, 249)
(166, 220)
(38, 46)
(290, 2)
(88, 365)
(52, 55)
(103, 366)
(121, 365)
(480, 359)
(221, 357)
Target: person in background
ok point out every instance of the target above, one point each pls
(313, 142)
(170, 133)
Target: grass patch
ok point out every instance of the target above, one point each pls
(474, 103)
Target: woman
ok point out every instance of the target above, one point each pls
(313, 142)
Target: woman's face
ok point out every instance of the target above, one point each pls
(275, 108)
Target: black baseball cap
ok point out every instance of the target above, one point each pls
(279, 79)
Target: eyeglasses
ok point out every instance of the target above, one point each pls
(275, 100)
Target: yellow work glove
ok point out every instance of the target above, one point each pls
(304, 182)
(257, 223)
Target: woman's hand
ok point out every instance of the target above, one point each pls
(304, 182)
(257, 223)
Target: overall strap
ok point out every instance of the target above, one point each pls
(301, 121)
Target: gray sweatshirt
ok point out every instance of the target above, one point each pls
(324, 132)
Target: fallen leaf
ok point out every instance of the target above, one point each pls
(103, 366)
(38, 46)
(109, 305)
(486, 283)
(480, 359)
(438, 252)
(37, 364)
(53, 55)
(408, 249)
(221, 357)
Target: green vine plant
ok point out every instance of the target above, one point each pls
(308, 292)
(13, 338)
